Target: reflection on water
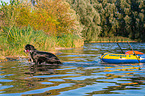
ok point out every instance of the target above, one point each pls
(82, 73)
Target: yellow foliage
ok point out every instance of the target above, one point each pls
(54, 17)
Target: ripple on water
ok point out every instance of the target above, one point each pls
(59, 75)
(81, 73)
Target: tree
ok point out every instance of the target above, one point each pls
(114, 18)
(89, 17)
(55, 17)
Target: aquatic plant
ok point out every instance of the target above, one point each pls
(13, 40)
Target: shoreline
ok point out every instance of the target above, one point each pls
(13, 58)
(111, 41)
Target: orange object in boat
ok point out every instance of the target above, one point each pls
(131, 52)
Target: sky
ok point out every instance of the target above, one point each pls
(4, 1)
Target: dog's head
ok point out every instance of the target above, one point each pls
(29, 48)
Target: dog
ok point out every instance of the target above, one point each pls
(39, 57)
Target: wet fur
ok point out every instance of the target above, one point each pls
(39, 57)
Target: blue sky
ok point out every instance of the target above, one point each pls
(5, 0)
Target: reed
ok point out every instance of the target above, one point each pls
(13, 40)
(69, 40)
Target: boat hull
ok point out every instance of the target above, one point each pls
(122, 58)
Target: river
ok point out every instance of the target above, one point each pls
(81, 74)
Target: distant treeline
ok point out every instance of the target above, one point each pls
(111, 18)
(90, 19)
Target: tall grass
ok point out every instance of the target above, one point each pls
(13, 40)
(69, 40)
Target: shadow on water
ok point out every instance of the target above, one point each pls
(43, 68)
(81, 73)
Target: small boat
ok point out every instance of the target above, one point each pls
(127, 57)
(123, 58)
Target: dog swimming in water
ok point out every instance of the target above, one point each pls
(39, 57)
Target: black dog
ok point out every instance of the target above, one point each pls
(39, 57)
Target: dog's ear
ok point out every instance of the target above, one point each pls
(29, 47)
(32, 47)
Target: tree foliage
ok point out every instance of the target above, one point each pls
(55, 17)
(92, 18)
(109, 18)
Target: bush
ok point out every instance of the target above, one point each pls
(55, 17)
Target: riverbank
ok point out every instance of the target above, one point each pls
(13, 41)
(13, 47)
(54, 51)
(111, 39)
(18, 57)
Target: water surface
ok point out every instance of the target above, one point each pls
(82, 74)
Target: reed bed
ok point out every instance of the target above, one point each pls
(13, 40)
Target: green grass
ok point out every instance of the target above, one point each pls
(13, 40)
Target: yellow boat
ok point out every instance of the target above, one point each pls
(123, 58)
